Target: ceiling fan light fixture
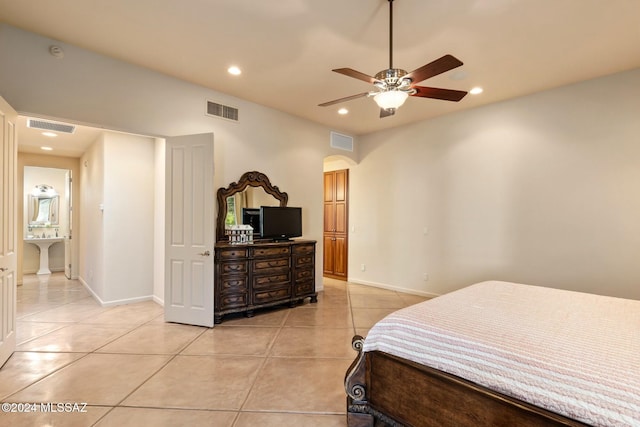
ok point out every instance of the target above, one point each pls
(390, 99)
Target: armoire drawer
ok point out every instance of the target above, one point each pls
(305, 274)
(233, 300)
(304, 288)
(232, 253)
(304, 249)
(271, 281)
(271, 295)
(303, 260)
(271, 265)
(232, 284)
(231, 267)
(266, 252)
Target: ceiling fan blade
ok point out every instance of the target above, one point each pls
(346, 98)
(437, 93)
(350, 72)
(439, 66)
(386, 113)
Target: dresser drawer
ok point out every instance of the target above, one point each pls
(304, 274)
(302, 260)
(271, 281)
(233, 300)
(304, 288)
(263, 266)
(264, 252)
(232, 253)
(231, 267)
(303, 249)
(271, 295)
(232, 285)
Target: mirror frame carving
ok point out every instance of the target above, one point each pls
(253, 179)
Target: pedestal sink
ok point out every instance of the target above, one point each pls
(43, 244)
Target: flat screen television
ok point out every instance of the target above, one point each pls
(280, 223)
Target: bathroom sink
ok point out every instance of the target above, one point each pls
(43, 239)
(43, 243)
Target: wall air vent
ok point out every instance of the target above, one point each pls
(224, 111)
(50, 126)
(341, 142)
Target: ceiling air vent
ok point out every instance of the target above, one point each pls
(224, 111)
(51, 126)
(342, 142)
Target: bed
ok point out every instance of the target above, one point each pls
(500, 354)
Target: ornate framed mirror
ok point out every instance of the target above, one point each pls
(252, 190)
(43, 206)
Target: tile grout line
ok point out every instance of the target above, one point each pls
(262, 365)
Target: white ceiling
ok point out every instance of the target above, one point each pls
(287, 48)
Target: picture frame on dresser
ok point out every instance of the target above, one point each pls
(265, 273)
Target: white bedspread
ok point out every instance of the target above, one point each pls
(572, 353)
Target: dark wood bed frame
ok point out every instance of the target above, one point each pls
(384, 390)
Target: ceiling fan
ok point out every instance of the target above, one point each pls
(394, 85)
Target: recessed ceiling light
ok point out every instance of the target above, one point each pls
(234, 70)
(476, 90)
(46, 148)
(343, 111)
(50, 134)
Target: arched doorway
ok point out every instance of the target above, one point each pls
(336, 217)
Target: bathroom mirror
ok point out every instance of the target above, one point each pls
(252, 190)
(43, 206)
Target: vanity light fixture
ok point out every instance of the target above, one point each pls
(44, 190)
(50, 134)
(233, 70)
(476, 90)
(46, 148)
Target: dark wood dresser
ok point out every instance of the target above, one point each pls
(248, 277)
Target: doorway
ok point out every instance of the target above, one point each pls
(47, 220)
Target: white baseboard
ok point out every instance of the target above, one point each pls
(158, 300)
(393, 288)
(114, 302)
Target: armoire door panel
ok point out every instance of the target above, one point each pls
(328, 187)
(329, 245)
(340, 256)
(329, 218)
(340, 225)
(341, 186)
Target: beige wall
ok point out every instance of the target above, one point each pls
(543, 189)
(117, 239)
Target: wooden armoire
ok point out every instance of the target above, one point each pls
(336, 208)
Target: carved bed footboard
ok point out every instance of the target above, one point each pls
(384, 390)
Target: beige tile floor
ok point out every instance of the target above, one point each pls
(281, 368)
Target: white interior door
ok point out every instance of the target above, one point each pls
(8, 230)
(189, 230)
